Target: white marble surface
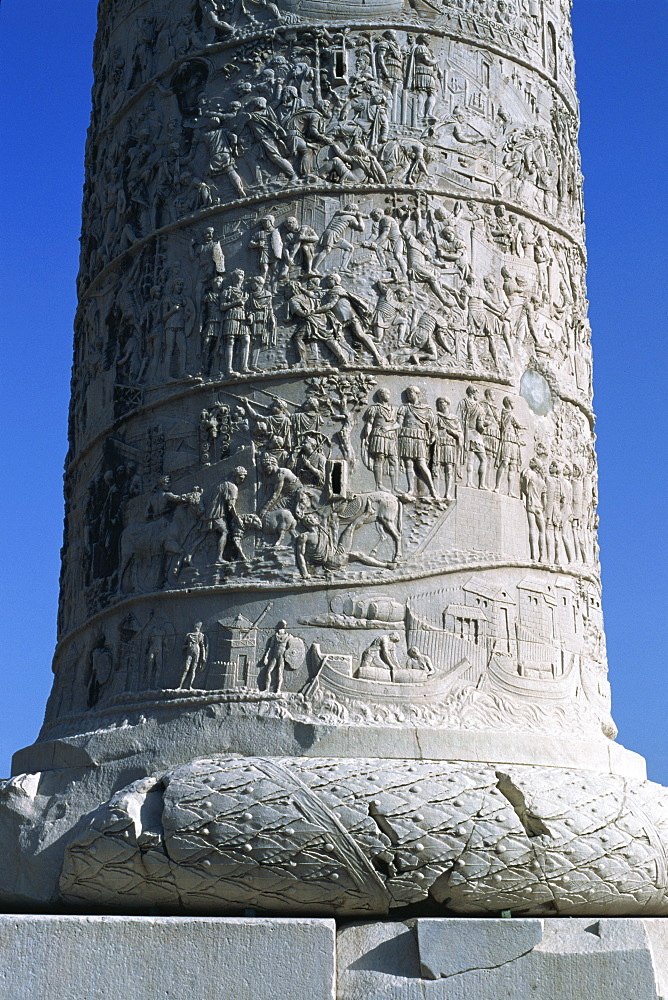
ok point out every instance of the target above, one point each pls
(158, 958)
(468, 959)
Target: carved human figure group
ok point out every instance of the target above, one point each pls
(312, 107)
(560, 500)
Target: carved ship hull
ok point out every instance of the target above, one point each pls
(533, 671)
(326, 11)
(334, 675)
(546, 684)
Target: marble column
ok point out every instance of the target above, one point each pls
(330, 636)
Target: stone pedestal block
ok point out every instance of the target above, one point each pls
(490, 959)
(250, 958)
(158, 958)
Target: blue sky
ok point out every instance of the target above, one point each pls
(45, 79)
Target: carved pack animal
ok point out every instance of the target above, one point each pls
(379, 508)
(278, 524)
(159, 543)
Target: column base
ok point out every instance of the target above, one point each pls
(351, 839)
(348, 838)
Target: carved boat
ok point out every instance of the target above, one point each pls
(325, 10)
(547, 682)
(597, 690)
(334, 674)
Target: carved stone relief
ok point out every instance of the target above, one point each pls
(367, 837)
(334, 315)
(330, 111)
(331, 471)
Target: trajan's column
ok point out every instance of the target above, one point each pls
(330, 636)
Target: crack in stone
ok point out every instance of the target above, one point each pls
(486, 968)
(533, 825)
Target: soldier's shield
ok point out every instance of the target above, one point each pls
(295, 653)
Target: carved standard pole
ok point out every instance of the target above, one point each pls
(330, 630)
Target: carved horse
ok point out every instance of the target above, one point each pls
(162, 541)
(379, 508)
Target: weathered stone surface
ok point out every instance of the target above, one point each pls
(331, 489)
(152, 744)
(332, 455)
(336, 836)
(463, 958)
(657, 932)
(153, 958)
(452, 948)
